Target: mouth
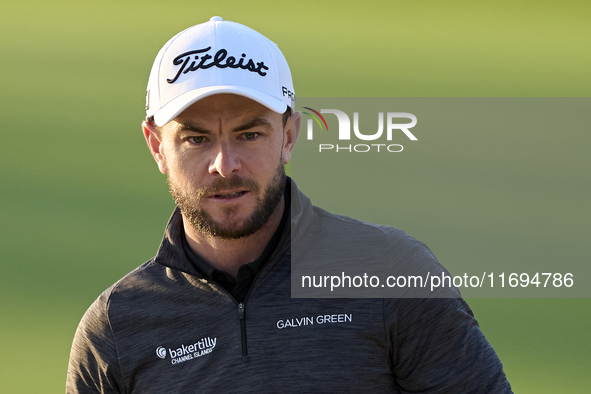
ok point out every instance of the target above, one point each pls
(229, 195)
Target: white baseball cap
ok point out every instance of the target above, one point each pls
(217, 57)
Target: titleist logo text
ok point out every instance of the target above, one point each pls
(220, 60)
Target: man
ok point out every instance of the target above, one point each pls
(212, 311)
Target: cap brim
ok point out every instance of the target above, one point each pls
(182, 102)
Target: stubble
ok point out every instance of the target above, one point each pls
(190, 205)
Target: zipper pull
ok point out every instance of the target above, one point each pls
(241, 311)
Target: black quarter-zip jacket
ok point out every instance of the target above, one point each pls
(164, 328)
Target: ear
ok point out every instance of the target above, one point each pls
(153, 137)
(292, 130)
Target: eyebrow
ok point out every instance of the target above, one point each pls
(246, 126)
(253, 123)
(196, 129)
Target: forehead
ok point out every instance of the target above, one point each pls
(225, 108)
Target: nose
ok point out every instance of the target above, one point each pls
(226, 161)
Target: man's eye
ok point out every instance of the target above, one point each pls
(199, 139)
(251, 135)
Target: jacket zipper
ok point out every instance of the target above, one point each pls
(241, 316)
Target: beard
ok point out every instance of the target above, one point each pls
(190, 205)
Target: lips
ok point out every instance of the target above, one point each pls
(230, 194)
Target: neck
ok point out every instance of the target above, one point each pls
(229, 254)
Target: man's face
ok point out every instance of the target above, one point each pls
(224, 160)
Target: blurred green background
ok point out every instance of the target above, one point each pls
(83, 202)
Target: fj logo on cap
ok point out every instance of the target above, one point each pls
(219, 60)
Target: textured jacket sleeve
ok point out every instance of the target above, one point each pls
(94, 366)
(437, 347)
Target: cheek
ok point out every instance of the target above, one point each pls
(275, 149)
(186, 170)
(174, 159)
